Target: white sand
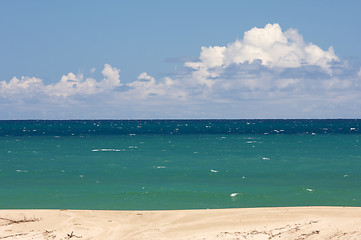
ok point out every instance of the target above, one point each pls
(257, 223)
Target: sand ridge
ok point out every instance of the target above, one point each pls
(218, 224)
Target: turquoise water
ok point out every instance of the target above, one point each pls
(179, 164)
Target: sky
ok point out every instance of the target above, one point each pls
(214, 59)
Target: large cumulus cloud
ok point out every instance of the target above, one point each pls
(266, 47)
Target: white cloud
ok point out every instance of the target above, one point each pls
(269, 45)
(146, 86)
(69, 85)
(268, 73)
(269, 63)
(24, 86)
(111, 79)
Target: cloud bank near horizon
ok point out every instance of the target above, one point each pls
(267, 73)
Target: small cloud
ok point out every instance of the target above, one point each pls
(147, 86)
(24, 86)
(111, 79)
(93, 70)
(69, 85)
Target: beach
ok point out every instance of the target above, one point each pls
(141, 179)
(248, 223)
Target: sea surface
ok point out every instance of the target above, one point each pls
(179, 164)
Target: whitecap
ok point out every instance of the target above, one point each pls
(309, 190)
(106, 150)
(161, 167)
(214, 171)
(234, 194)
(19, 170)
(111, 150)
(266, 158)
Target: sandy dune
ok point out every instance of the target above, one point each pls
(257, 223)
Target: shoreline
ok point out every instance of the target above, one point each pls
(240, 223)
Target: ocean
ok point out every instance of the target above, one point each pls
(179, 164)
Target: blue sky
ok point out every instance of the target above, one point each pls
(179, 59)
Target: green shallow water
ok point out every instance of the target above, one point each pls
(179, 171)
